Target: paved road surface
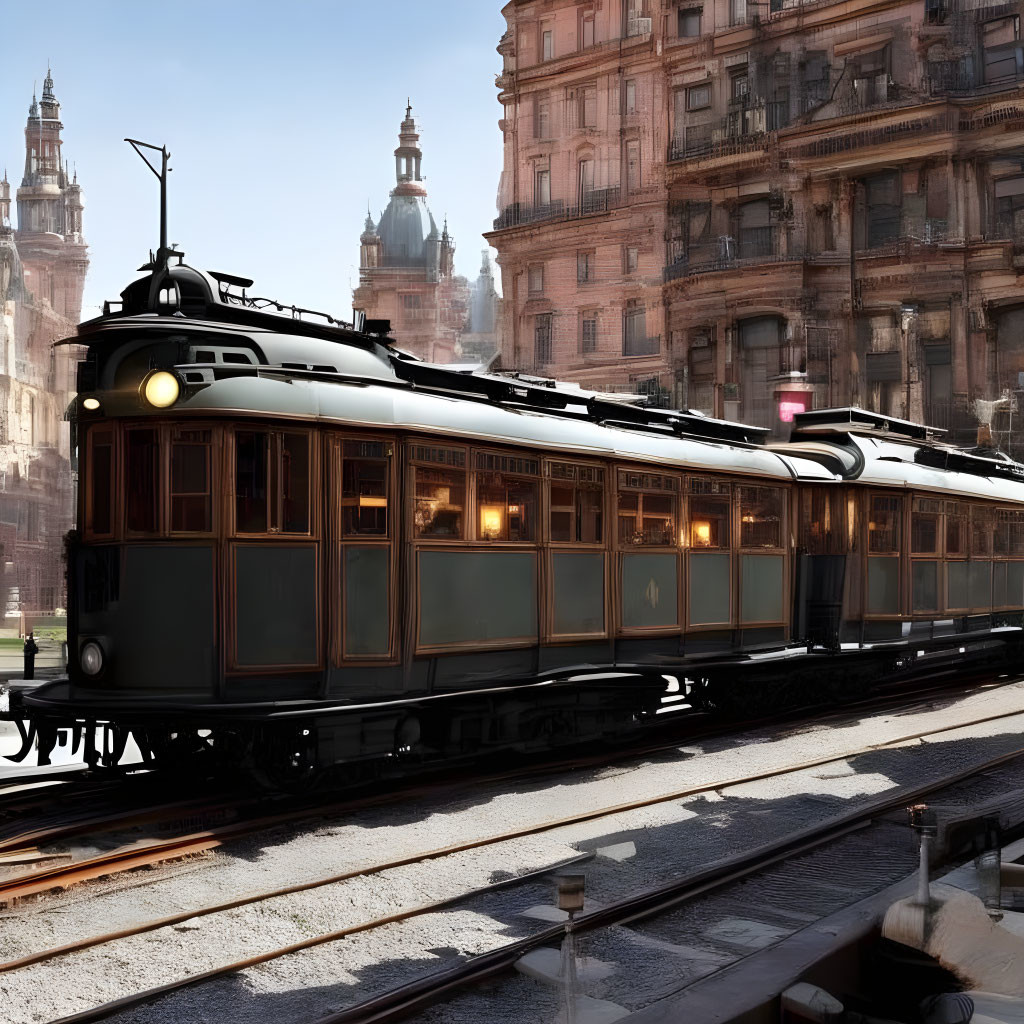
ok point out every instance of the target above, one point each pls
(48, 661)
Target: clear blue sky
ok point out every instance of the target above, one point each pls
(281, 119)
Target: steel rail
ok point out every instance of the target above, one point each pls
(126, 858)
(424, 992)
(32, 838)
(654, 898)
(34, 883)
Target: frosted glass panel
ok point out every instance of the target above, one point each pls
(956, 584)
(926, 586)
(884, 586)
(367, 622)
(761, 596)
(980, 584)
(1015, 584)
(649, 590)
(578, 592)
(170, 625)
(999, 599)
(477, 596)
(275, 595)
(710, 588)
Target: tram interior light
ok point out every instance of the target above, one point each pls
(161, 389)
(370, 501)
(701, 533)
(491, 518)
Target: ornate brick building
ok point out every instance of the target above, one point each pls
(407, 267)
(755, 208)
(43, 262)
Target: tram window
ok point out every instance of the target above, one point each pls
(364, 489)
(1001, 533)
(956, 530)
(1017, 534)
(252, 456)
(577, 504)
(760, 517)
(507, 507)
(981, 531)
(925, 527)
(884, 524)
(439, 502)
(142, 467)
(102, 452)
(190, 482)
(647, 519)
(709, 522)
(295, 483)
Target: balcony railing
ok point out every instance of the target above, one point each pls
(598, 200)
(754, 245)
(743, 129)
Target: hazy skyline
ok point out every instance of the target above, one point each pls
(281, 122)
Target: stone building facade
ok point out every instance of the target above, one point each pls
(754, 208)
(407, 267)
(43, 263)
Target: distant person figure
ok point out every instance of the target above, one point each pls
(31, 650)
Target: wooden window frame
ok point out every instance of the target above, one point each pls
(95, 431)
(275, 492)
(616, 486)
(723, 488)
(472, 497)
(167, 442)
(162, 482)
(336, 592)
(552, 547)
(409, 508)
(785, 496)
(925, 505)
(900, 552)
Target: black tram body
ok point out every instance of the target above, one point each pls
(321, 551)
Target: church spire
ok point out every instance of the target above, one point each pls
(408, 156)
(49, 105)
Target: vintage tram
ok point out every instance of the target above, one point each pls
(299, 547)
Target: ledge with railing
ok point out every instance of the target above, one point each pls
(593, 201)
(745, 129)
(751, 246)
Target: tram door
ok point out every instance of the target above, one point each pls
(363, 527)
(822, 551)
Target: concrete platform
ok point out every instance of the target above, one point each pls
(824, 953)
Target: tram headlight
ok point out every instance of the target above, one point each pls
(92, 404)
(91, 658)
(161, 389)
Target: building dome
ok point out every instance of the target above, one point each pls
(403, 229)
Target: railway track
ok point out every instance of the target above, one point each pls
(32, 823)
(409, 998)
